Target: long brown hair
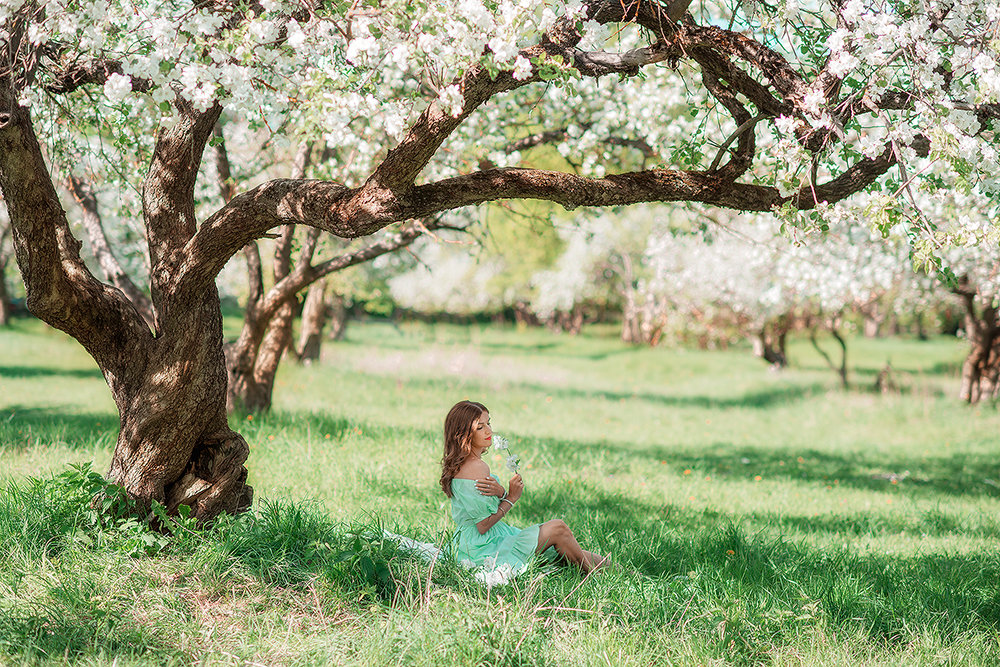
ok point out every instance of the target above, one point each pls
(458, 439)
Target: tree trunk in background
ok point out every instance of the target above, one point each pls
(277, 339)
(981, 369)
(336, 307)
(314, 316)
(769, 343)
(833, 326)
(630, 320)
(252, 359)
(6, 305)
(875, 314)
(567, 322)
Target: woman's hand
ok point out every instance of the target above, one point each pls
(489, 487)
(516, 488)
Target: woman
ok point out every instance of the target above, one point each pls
(479, 502)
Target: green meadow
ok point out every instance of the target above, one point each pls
(754, 517)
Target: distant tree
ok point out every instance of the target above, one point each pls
(771, 280)
(790, 110)
(6, 306)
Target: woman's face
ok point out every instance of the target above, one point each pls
(482, 434)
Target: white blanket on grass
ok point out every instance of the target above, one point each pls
(488, 573)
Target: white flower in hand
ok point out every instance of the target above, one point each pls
(501, 444)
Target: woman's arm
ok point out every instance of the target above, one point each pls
(506, 503)
(491, 520)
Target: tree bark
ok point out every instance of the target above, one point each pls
(113, 271)
(981, 368)
(339, 316)
(174, 446)
(253, 358)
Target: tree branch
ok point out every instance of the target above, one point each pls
(168, 195)
(297, 281)
(78, 73)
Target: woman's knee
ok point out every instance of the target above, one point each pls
(557, 529)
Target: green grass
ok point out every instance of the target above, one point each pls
(755, 517)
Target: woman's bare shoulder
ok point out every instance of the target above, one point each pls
(475, 469)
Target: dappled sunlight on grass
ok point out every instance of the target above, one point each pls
(753, 517)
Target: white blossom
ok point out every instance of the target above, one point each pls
(522, 68)
(117, 87)
(451, 100)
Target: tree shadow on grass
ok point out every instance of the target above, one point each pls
(29, 426)
(751, 399)
(43, 636)
(883, 595)
(318, 422)
(697, 564)
(959, 474)
(22, 372)
(780, 395)
(550, 350)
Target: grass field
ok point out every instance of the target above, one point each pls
(755, 517)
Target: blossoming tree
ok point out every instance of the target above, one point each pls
(790, 110)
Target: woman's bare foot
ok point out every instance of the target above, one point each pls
(595, 561)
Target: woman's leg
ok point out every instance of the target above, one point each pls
(557, 534)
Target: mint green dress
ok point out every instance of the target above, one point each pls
(502, 543)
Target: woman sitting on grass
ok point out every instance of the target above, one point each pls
(479, 502)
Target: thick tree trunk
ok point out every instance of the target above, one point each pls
(174, 446)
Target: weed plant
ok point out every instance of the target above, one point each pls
(754, 518)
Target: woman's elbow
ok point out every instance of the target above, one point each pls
(481, 528)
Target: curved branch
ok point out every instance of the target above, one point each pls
(747, 124)
(743, 157)
(61, 290)
(860, 175)
(79, 73)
